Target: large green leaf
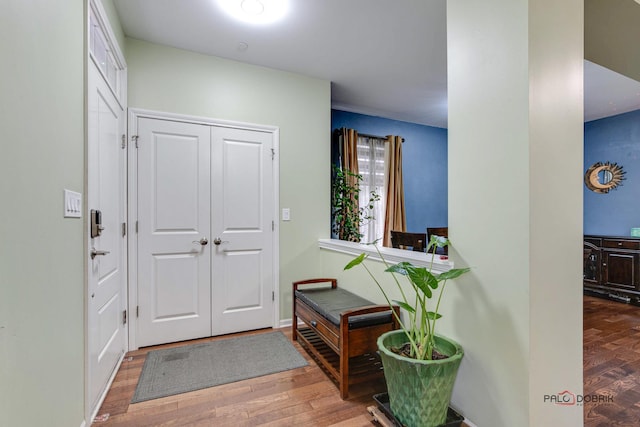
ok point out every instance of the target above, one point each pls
(400, 268)
(356, 261)
(419, 276)
(452, 274)
(422, 277)
(406, 306)
(437, 241)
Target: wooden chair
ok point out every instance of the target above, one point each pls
(438, 231)
(404, 240)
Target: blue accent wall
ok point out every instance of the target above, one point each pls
(424, 158)
(613, 139)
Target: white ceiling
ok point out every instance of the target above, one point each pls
(384, 58)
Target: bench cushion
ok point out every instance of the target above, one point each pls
(329, 303)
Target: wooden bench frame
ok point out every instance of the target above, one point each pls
(348, 356)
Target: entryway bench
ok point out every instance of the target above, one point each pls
(340, 331)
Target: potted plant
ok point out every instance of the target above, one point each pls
(420, 366)
(346, 212)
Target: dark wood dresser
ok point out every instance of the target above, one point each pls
(612, 267)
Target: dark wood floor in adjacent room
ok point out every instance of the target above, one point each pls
(306, 397)
(611, 362)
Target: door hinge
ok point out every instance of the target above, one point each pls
(124, 229)
(273, 154)
(136, 227)
(134, 138)
(124, 317)
(273, 295)
(273, 225)
(124, 141)
(137, 311)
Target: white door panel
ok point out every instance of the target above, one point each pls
(107, 273)
(241, 179)
(242, 204)
(170, 297)
(174, 290)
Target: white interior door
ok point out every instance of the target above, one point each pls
(242, 218)
(201, 181)
(107, 270)
(174, 268)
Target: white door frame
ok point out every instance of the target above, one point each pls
(134, 114)
(95, 8)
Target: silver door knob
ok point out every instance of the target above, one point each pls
(95, 253)
(202, 241)
(217, 241)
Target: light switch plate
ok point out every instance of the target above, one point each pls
(286, 214)
(72, 204)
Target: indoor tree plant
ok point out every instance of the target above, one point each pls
(420, 367)
(346, 212)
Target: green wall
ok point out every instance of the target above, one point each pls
(173, 80)
(515, 98)
(41, 253)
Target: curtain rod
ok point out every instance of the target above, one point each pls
(366, 135)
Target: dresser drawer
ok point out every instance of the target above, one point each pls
(621, 244)
(596, 241)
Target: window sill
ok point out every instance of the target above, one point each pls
(391, 255)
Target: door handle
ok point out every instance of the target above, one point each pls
(95, 253)
(202, 241)
(217, 241)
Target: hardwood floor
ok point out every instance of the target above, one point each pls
(305, 396)
(299, 397)
(611, 363)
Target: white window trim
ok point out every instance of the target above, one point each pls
(391, 255)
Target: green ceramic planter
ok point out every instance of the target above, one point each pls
(419, 390)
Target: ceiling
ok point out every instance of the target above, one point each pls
(383, 58)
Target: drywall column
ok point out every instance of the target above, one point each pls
(41, 253)
(515, 206)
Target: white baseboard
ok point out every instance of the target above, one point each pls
(285, 323)
(466, 420)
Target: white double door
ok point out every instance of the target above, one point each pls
(205, 230)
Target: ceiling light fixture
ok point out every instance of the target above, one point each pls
(255, 11)
(252, 7)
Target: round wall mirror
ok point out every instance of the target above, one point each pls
(603, 177)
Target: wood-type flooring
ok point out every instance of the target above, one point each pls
(611, 363)
(299, 397)
(306, 397)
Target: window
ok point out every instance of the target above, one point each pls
(371, 165)
(107, 58)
